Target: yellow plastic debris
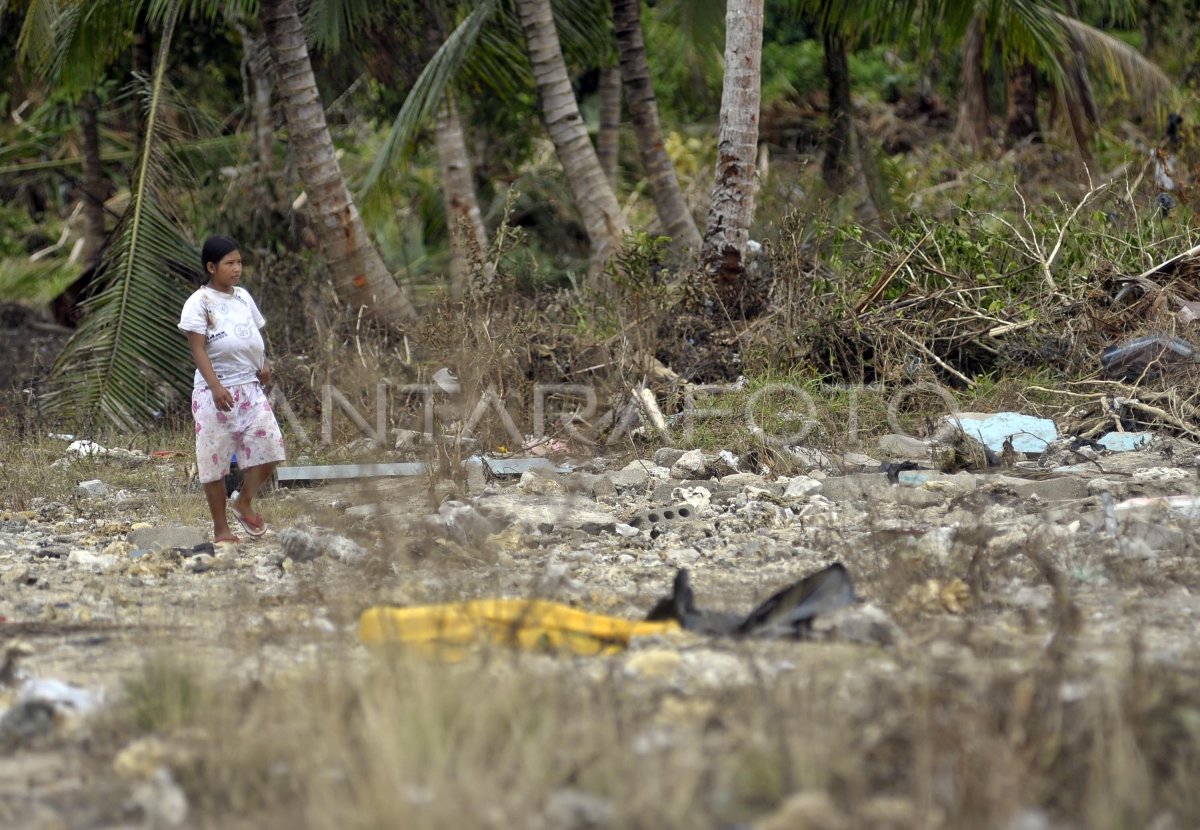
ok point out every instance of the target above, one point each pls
(449, 630)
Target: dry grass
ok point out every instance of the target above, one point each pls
(932, 737)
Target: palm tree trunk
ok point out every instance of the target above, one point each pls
(93, 181)
(1151, 12)
(1022, 119)
(1078, 97)
(973, 127)
(608, 139)
(356, 266)
(835, 165)
(256, 92)
(731, 208)
(464, 220)
(673, 212)
(595, 199)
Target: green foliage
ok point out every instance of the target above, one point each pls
(127, 358)
(166, 695)
(39, 282)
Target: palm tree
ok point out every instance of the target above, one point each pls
(608, 136)
(464, 220)
(731, 208)
(1025, 35)
(594, 198)
(672, 209)
(353, 261)
(126, 358)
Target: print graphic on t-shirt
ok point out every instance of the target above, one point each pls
(231, 330)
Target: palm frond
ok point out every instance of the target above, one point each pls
(22, 279)
(1029, 30)
(1124, 66)
(585, 32)
(35, 43)
(421, 104)
(330, 22)
(127, 357)
(88, 37)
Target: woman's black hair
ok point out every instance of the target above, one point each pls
(215, 249)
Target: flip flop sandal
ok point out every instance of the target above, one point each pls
(247, 523)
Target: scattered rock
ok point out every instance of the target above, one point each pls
(667, 456)
(96, 562)
(159, 801)
(25, 723)
(548, 512)
(693, 464)
(92, 489)
(653, 662)
(810, 810)
(572, 809)
(903, 447)
(865, 623)
(634, 476)
(539, 484)
(163, 538)
(303, 545)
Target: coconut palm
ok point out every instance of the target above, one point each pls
(672, 210)
(481, 48)
(126, 358)
(731, 207)
(354, 262)
(1025, 35)
(594, 197)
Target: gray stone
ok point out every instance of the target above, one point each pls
(1053, 489)
(801, 487)
(200, 563)
(159, 801)
(742, 480)
(464, 523)
(634, 476)
(1116, 488)
(852, 487)
(538, 484)
(667, 456)
(598, 485)
(1153, 536)
(725, 464)
(919, 497)
(96, 562)
(693, 464)
(343, 549)
(161, 538)
(864, 623)
(903, 447)
(26, 722)
(548, 512)
(859, 460)
(1171, 474)
(93, 489)
(300, 544)
(810, 458)
(578, 810)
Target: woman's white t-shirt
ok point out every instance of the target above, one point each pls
(230, 325)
